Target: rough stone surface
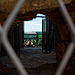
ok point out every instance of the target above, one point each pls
(34, 60)
(27, 9)
(63, 34)
(29, 5)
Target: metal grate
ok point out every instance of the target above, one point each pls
(14, 58)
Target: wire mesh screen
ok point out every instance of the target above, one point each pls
(14, 58)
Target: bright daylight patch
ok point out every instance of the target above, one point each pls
(34, 25)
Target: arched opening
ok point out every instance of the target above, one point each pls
(33, 31)
(41, 31)
(36, 57)
(63, 35)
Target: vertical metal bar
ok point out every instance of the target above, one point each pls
(12, 54)
(71, 46)
(0, 36)
(65, 59)
(12, 15)
(1, 29)
(66, 16)
(14, 58)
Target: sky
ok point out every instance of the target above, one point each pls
(33, 25)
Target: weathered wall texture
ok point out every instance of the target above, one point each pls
(29, 6)
(63, 38)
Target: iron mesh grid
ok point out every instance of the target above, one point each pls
(14, 58)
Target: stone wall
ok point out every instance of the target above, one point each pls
(63, 37)
(6, 7)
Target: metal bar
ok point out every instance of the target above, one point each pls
(12, 15)
(1, 29)
(14, 58)
(16, 61)
(71, 46)
(66, 16)
(32, 38)
(65, 59)
(41, 16)
(29, 34)
(32, 34)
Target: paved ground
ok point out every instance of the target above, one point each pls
(32, 58)
(35, 61)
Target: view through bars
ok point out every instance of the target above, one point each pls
(71, 46)
(14, 58)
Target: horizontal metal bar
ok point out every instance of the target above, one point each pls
(32, 38)
(41, 16)
(32, 34)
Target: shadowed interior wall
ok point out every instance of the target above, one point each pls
(63, 38)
